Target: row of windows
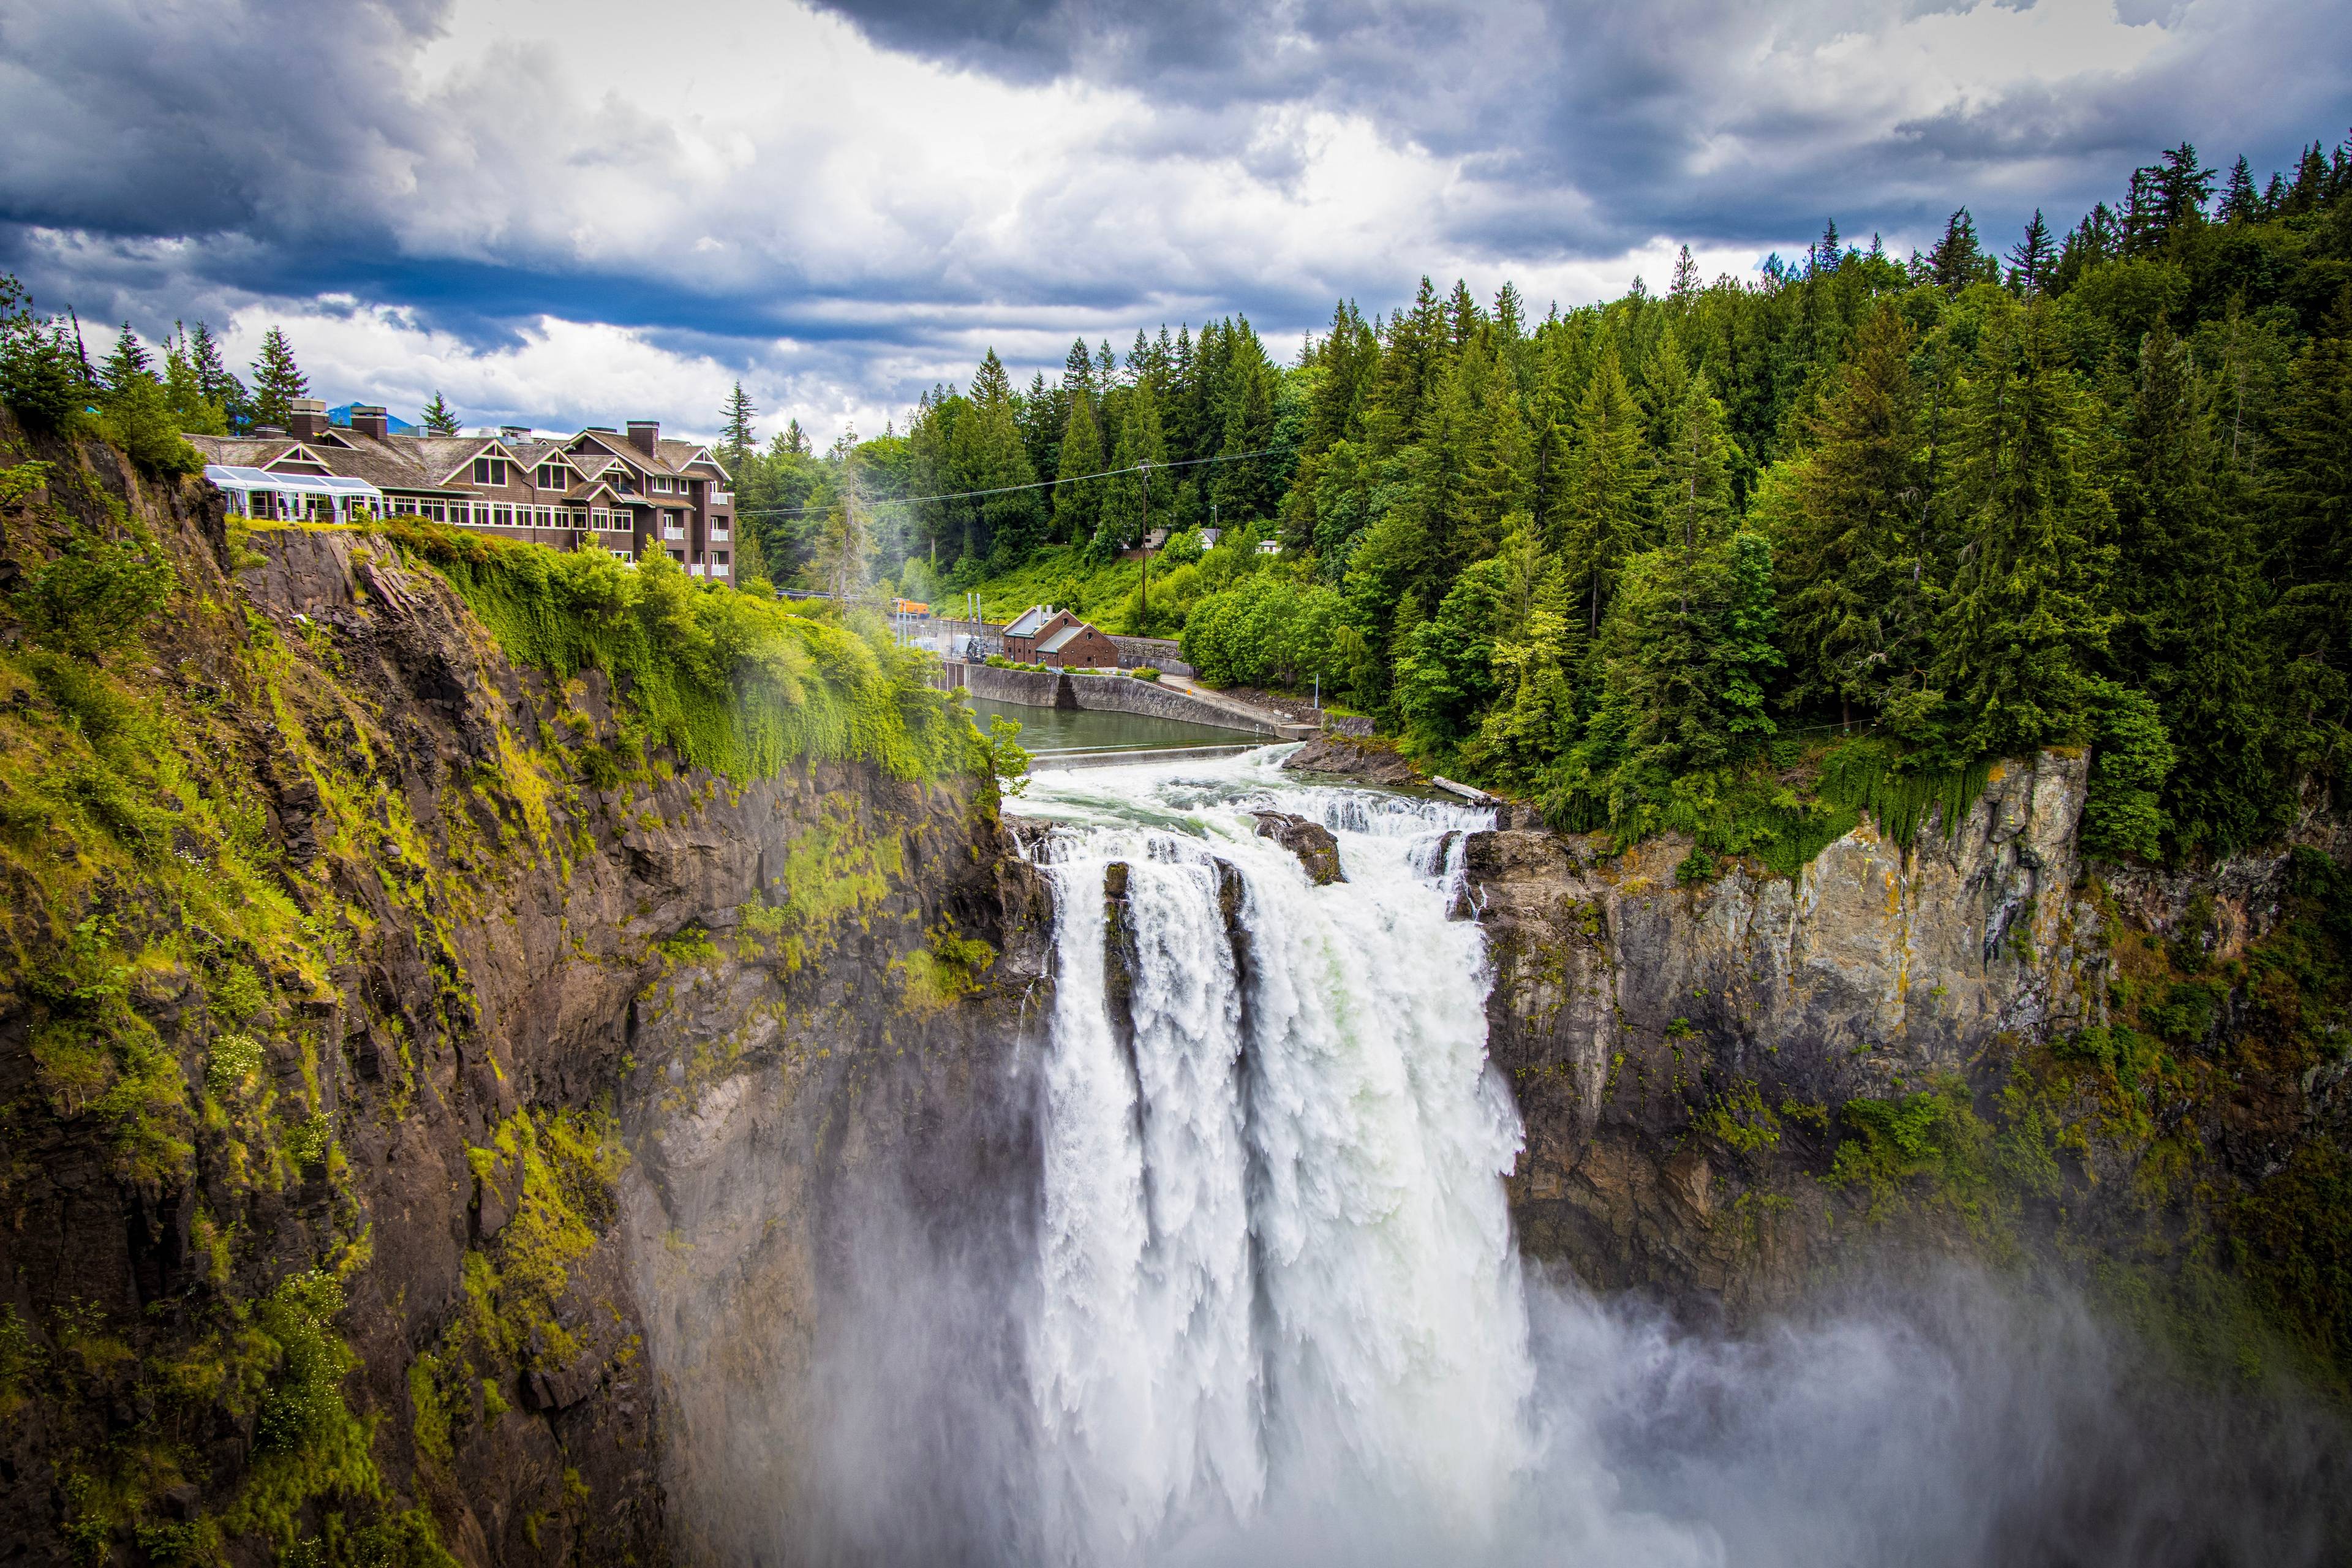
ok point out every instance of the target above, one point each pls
(485, 514)
(556, 476)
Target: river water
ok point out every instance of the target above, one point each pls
(1048, 730)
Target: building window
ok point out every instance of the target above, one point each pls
(550, 476)
(597, 517)
(719, 558)
(661, 483)
(489, 470)
(504, 516)
(678, 556)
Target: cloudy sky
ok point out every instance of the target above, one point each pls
(558, 212)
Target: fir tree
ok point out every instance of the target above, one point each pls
(2240, 203)
(2030, 262)
(277, 381)
(2187, 593)
(128, 362)
(1133, 496)
(2017, 638)
(1847, 524)
(737, 435)
(1956, 260)
(439, 419)
(1078, 499)
(2311, 492)
(1604, 508)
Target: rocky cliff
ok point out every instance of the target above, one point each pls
(1735, 1082)
(426, 1094)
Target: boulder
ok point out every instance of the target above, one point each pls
(1310, 841)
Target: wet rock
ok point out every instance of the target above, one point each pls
(1362, 758)
(1310, 841)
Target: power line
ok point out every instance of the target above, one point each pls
(1014, 489)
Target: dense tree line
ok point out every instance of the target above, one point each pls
(2091, 491)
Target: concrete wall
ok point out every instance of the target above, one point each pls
(1103, 694)
(1124, 694)
(1037, 688)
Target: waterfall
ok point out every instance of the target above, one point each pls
(1275, 1264)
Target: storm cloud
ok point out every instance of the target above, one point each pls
(544, 208)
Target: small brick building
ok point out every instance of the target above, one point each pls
(1059, 641)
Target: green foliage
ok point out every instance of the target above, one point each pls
(737, 684)
(1929, 1147)
(95, 596)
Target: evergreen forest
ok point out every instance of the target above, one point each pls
(1720, 556)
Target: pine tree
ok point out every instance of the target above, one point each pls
(793, 438)
(1603, 511)
(277, 381)
(192, 413)
(1078, 499)
(987, 454)
(1131, 498)
(128, 361)
(2030, 261)
(1847, 530)
(440, 419)
(1689, 648)
(2311, 496)
(737, 435)
(2240, 203)
(2187, 590)
(216, 382)
(1956, 260)
(2017, 638)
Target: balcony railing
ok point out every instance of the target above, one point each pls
(722, 498)
(718, 532)
(673, 533)
(697, 570)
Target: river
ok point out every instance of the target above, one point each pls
(1045, 731)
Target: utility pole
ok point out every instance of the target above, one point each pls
(1144, 612)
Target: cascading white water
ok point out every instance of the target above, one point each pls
(1278, 1270)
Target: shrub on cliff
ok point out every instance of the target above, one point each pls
(730, 682)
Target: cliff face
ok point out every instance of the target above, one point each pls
(1973, 1043)
(444, 1102)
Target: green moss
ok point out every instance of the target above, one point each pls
(1739, 1120)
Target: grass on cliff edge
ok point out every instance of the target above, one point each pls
(734, 683)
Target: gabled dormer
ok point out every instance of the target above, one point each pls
(492, 464)
(298, 458)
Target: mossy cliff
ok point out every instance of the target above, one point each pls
(385, 915)
(1969, 1041)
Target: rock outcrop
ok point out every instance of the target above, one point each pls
(1312, 842)
(1360, 758)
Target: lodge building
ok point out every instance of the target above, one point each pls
(630, 494)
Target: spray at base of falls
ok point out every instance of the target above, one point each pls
(1277, 1263)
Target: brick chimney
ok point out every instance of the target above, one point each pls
(307, 417)
(643, 434)
(371, 421)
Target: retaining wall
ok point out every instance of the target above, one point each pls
(1104, 694)
(1124, 694)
